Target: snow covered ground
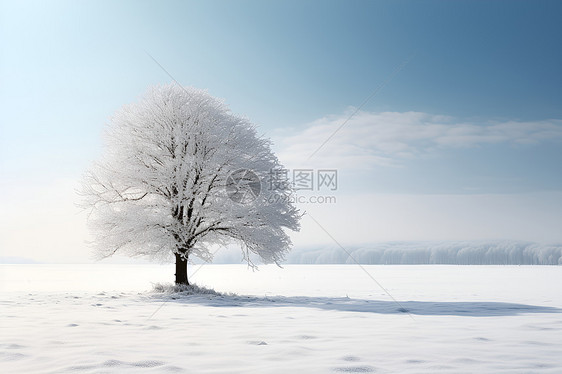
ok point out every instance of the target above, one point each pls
(303, 318)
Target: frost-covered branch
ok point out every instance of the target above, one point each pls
(160, 189)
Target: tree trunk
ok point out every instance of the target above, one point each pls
(181, 270)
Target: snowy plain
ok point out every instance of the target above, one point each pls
(302, 318)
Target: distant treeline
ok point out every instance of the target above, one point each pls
(457, 253)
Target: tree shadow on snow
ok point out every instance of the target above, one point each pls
(426, 308)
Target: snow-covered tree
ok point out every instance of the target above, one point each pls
(180, 174)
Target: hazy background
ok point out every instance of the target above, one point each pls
(461, 142)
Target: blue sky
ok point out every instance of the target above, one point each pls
(490, 71)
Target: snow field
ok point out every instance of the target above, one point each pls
(313, 319)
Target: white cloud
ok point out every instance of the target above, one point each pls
(386, 139)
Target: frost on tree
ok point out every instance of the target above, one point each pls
(180, 174)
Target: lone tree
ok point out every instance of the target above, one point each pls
(180, 174)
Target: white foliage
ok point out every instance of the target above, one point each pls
(160, 188)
